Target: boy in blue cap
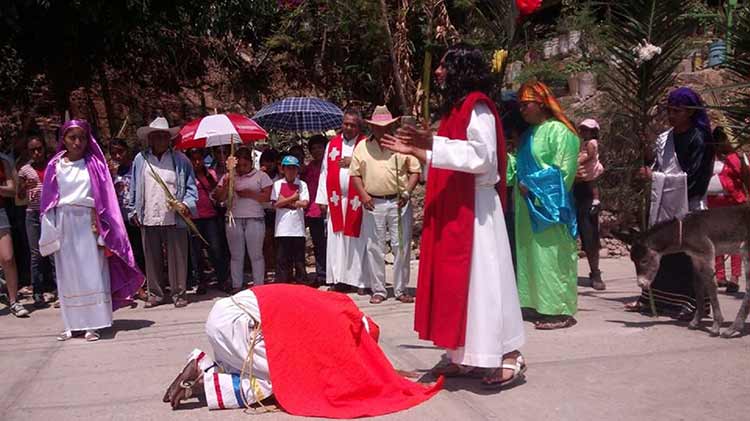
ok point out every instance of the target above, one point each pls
(290, 198)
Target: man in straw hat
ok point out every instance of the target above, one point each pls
(385, 180)
(149, 208)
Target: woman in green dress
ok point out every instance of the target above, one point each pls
(545, 169)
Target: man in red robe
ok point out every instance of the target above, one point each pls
(314, 351)
(467, 300)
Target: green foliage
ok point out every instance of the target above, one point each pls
(543, 71)
(639, 86)
(738, 111)
(577, 66)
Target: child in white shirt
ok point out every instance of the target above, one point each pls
(290, 197)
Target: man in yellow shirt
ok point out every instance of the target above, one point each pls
(385, 180)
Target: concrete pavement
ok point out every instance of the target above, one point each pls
(612, 365)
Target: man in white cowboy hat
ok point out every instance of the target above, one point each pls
(149, 208)
(385, 181)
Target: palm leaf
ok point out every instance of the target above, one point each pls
(171, 199)
(638, 86)
(738, 110)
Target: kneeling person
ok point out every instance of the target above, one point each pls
(255, 335)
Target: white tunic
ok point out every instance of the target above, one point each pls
(229, 329)
(156, 212)
(81, 268)
(494, 325)
(344, 254)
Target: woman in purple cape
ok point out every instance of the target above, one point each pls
(83, 228)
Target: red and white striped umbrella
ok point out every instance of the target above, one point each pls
(219, 129)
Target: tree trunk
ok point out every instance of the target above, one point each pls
(405, 107)
(107, 97)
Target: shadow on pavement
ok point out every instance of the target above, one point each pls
(125, 325)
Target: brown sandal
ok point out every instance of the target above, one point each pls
(552, 324)
(455, 370)
(190, 374)
(405, 298)
(495, 381)
(377, 299)
(634, 307)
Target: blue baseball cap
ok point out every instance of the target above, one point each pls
(289, 160)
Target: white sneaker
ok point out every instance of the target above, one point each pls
(18, 310)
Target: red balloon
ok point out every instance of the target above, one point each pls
(527, 7)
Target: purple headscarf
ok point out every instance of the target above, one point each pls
(686, 97)
(125, 277)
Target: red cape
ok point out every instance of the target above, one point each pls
(323, 362)
(448, 235)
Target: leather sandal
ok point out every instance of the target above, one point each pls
(405, 298)
(455, 370)
(495, 380)
(377, 299)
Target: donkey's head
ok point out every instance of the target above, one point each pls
(646, 262)
(645, 258)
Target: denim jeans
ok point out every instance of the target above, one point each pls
(318, 233)
(210, 229)
(42, 268)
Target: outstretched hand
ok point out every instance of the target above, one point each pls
(416, 137)
(395, 144)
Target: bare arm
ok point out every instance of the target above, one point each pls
(366, 198)
(285, 202)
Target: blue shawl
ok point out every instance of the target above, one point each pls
(548, 201)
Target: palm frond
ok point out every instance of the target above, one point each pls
(637, 86)
(738, 110)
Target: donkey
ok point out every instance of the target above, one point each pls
(701, 235)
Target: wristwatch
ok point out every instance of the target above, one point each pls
(406, 195)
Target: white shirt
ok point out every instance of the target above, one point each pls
(245, 207)
(156, 212)
(714, 185)
(74, 183)
(347, 150)
(290, 222)
(480, 154)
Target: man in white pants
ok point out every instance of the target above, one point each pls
(385, 180)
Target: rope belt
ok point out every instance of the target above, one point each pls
(247, 365)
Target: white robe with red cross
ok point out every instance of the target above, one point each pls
(345, 255)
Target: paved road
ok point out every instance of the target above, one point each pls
(611, 366)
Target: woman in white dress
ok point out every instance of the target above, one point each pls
(83, 227)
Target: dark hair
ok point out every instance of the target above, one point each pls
(120, 143)
(720, 136)
(244, 153)
(35, 136)
(512, 118)
(297, 149)
(318, 139)
(353, 111)
(191, 151)
(466, 71)
(269, 155)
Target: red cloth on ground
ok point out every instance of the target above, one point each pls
(323, 362)
(445, 262)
